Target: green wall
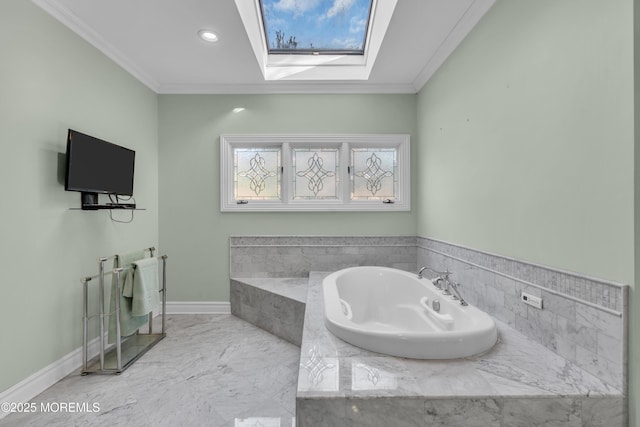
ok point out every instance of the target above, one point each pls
(194, 231)
(527, 141)
(51, 80)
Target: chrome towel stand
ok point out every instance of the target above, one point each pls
(110, 360)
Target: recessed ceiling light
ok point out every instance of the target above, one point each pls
(208, 36)
(238, 110)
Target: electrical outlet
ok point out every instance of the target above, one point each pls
(531, 300)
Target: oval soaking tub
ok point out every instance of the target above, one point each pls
(391, 311)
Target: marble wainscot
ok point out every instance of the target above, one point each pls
(296, 256)
(517, 383)
(584, 319)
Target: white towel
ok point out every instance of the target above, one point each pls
(124, 261)
(145, 287)
(129, 323)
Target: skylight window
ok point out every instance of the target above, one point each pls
(316, 26)
(319, 39)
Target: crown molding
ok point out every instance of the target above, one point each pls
(463, 27)
(294, 88)
(75, 24)
(466, 23)
(71, 20)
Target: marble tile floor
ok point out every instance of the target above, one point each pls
(210, 370)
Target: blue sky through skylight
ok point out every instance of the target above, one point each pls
(316, 25)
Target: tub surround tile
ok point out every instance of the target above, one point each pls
(327, 241)
(321, 412)
(385, 412)
(340, 384)
(464, 412)
(609, 348)
(603, 412)
(273, 304)
(583, 319)
(598, 320)
(296, 256)
(598, 365)
(596, 291)
(556, 411)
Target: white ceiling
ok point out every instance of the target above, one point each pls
(157, 42)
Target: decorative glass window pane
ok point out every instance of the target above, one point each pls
(256, 173)
(316, 27)
(315, 173)
(374, 173)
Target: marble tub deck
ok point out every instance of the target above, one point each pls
(294, 288)
(517, 383)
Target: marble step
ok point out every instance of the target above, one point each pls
(274, 304)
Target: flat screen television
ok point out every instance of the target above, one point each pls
(97, 167)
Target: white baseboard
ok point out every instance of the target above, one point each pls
(38, 382)
(197, 307)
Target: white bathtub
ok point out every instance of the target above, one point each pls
(390, 311)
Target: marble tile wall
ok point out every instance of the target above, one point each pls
(465, 412)
(296, 256)
(263, 303)
(583, 319)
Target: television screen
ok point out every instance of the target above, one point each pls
(97, 166)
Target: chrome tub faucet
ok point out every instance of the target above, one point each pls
(445, 284)
(437, 281)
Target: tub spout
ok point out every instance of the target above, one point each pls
(441, 276)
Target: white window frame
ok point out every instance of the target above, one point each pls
(288, 141)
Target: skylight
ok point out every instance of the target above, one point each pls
(319, 39)
(316, 26)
